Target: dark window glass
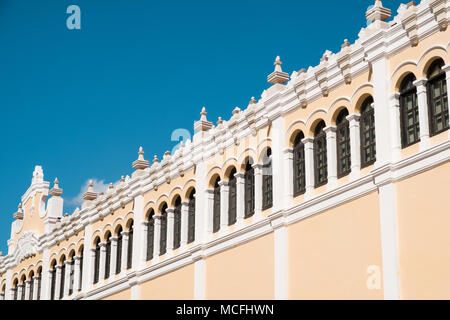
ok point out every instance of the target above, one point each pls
(437, 98)
(367, 133)
(150, 235)
(163, 242)
(299, 165)
(119, 251)
(177, 224)
(216, 208)
(249, 178)
(53, 283)
(81, 270)
(71, 277)
(232, 198)
(409, 112)
(108, 257)
(320, 155)
(191, 218)
(97, 262)
(39, 286)
(343, 144)
(267, 180)
(30, 293)
(130, 247)
(16, 286)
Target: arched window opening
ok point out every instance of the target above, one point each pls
(39, 284)
(150, 234)
(130, 247)
(163, 241)
(367, 133)
(22, 283)
(437, 98)
(177, 224)
(2, 293)
(249, 178)
(71, 271)
(343, 144)
(232, 202)
(63, 276)
(81, 269)
(108, 256)
(53, 280)
(97, 260)
(191, 217)
(299, 165)
(30, 293)
(216, 207)
(119, 250)
(15, 288)
(267, 180)
(409, 112)
(320, 155)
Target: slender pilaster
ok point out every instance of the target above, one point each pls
(113, 264)
(124, 252)
(446, 69)
(331, 156)
(19, 291)
(209, 196)
(355, 145)
(258, 169)
(76, 274)
(92, 267)
(199, 280)
(224, 191)
(27, 289)
(58, 282)
(67, 282)
(170, 229)
(278, 134)
(422, 103)
(157, 238)
(289, 176)
(143, 244)
(184, 222)
(281, 262)
(240, 198)
(102, 261)
(138, 259)
(394, 119)
(309, 167)
(88, 261)
(36, 280)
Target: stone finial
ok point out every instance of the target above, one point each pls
(38, 175)
(155, 159)
(378, 12)
(19, 214)
(56, 191)
(278, 76)
(140, 163)
(252, 101)
(90, 195)
(345, 44)
(122, 179)
(203, 124)
(110, 188)
(236, 110)
(219, 121)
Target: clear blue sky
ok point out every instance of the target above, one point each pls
(81, 102)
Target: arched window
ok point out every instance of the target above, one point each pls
(320, 155)
(191, 217)
(299, 165)
(81, 269)
(39, 281)
(63, 276)
(130, 247)
(232, 198)
(108, 256)
(216, 207)
(249, 178)
(437, 98)
(22, 283)
(367, 133)
(30, 293)
(267, 180)
(15, 287)
(177, 224)
(119, 250)
(72, 271)
(343, 144)
(53, 280)
(2, 293)
(163, 241)
(97, 260)
(409, 112)
(150, 234)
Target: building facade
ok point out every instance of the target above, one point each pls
(333, 185)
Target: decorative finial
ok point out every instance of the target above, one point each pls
(252, 100)
(56, 191)
(155, 159)
(236, 110)
(122, 179)
(345, 44)
(219, 121)
(278, 76)
(140, 163)
(378, 12)
(19, 214)
(203, 124)
(90, 195)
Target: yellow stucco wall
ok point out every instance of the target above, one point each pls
(424, 236)
(329, 253)
(176, 285)
(244, 272)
